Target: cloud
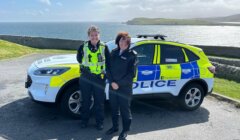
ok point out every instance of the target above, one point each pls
(145, 8)
(46, 10)
(166, 8)
(59, 4)
(47, 2)
(41, 12)
(121, 10)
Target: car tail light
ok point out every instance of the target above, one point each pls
(212, 69)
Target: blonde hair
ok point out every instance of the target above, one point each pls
(93, 28)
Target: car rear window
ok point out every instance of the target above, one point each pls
(171, 54)
(191, 56)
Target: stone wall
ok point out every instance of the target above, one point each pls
(223, 51)
(43, 43)
(226, 61)
(227, 71)
(226, 68)
(50, 43)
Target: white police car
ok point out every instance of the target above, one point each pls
(165, 69)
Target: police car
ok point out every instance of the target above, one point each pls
(165, 69)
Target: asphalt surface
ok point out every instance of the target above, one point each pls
(22, 119)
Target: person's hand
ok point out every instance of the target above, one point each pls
(114, 85)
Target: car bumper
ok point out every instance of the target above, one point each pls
(39, 88)
(42, 92)
(209, 92)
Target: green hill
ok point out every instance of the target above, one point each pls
(231, 18)
(164, 21)
(193, 21)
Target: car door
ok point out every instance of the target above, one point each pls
(173, 60)
(148, 69)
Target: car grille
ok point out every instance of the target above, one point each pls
(28, 82)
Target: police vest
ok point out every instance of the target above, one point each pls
(95, 61)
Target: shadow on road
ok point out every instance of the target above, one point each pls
(24, 119)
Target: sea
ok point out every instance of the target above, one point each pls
(196, 35)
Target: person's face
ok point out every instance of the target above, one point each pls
(123, 43)
(94, 37)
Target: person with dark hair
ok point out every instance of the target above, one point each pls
(93, 57)
(122, 69)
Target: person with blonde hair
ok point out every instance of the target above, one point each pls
(93, 56)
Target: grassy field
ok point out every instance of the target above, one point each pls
(11, 50)
(227, 88)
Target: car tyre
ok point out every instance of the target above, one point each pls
(191, 97)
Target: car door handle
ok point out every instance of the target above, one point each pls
(147, 72)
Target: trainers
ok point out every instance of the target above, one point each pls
(123, 135)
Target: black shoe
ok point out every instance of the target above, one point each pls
(111, 131)
(99, 126)
(83, 125)
(122, 136)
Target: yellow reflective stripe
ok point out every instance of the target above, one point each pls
(56, 81)
(192, 48)
(170, 72)
(203, 69)
(159, 53)
(85, 60)
(60, 80)
(155, 55)
(156, 58)
(185, 55)
(136, 76)
(95, 66)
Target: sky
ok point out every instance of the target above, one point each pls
(112, 10)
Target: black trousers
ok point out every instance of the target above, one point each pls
(92, 86)
(120, 102)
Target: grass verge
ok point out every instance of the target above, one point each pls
(11, 50)
(227, 88)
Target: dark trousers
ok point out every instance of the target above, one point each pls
(92, 86)
(120, 102)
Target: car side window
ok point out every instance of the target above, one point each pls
(145, 54)
(171, 54)
(191, 56)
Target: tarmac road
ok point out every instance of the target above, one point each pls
(22, 119)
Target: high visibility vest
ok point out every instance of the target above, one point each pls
(95, 61)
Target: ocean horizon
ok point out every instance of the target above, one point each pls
(189, 34)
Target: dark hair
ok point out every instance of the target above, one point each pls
(123, 35)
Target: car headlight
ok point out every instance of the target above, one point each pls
(50, 71)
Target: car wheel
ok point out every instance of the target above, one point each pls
(191, 97)
(71, 102)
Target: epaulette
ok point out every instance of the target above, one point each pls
(134, 52)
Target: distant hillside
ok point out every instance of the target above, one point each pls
(232, 18)
(194, 21)
(164, 21)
